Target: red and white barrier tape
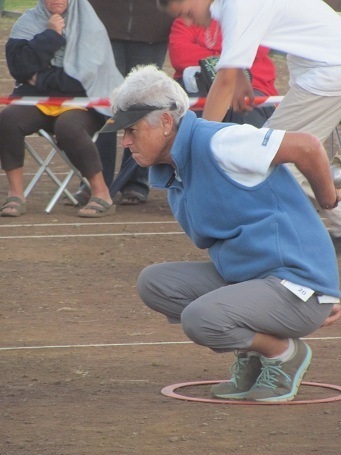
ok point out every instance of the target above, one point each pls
(51, 101)
(196, 104)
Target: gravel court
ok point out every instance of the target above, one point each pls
(94, 385)
(87, 380)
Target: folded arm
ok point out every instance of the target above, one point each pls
(310, 158)
(26, 58)
(30, 62)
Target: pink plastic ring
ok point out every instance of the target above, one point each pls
(169, 391)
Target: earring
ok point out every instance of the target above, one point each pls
(166, 133)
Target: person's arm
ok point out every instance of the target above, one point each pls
(56, 80)
(26, 58)
(310, 157)
(263, 72)
(29, 61)
(334, 315)
(221, 95)
(243, 90)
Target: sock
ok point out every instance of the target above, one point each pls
(287, 354)
(253, 353)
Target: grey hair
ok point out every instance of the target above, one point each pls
(147, 85)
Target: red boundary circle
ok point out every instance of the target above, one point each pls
(169, 392)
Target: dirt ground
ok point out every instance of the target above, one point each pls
(83, 361)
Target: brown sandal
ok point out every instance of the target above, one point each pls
(15, 204)
(99, 206)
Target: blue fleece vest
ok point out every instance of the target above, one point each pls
(250, 232)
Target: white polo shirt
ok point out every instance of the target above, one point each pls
(308, 31)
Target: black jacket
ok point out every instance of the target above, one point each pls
(26, 58)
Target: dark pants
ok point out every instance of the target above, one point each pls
(107, 146)
(257, 117)
(73, 130)
(129, 54)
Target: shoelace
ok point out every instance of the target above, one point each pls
(269, 376)
(236, 367)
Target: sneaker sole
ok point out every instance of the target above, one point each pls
(236, 396)
(296, 382)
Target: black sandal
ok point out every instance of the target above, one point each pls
(132, 197)
(82, 197)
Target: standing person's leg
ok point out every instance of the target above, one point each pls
(16, 122)
(304, 111)
(119, 48)
(106, 143)
(137, 188)
(258, 315)
(137, 53)
(74, 130)
(141, 53)
(107, 148)
(318, 115)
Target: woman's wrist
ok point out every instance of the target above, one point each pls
(334, 205)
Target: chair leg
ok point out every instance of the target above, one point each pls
(45, 168)
(52, 141)
(58, 193)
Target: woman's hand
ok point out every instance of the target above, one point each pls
(243, 89)
(33, 79)
(334, 315)
(56, 23)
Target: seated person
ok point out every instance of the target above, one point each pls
(189, 44)
(53, 50)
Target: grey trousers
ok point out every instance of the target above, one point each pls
(222, 316)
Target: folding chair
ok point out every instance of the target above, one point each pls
(45, 167)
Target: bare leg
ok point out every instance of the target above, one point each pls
(99, 190)
(15, 181)
(268, 345)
